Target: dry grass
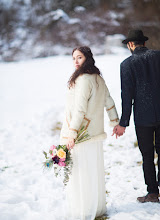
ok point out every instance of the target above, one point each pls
(57, 128)
(102, 217)
(4, 168)
(136, 143)
(139, 163)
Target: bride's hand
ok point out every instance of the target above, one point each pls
(118, 131)
(70, 143)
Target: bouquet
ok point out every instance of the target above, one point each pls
(60, 156)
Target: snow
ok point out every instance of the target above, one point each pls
(79, 9)
(32, 99)
(115, 15)
(57, 15)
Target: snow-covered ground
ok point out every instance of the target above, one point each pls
(32, 99)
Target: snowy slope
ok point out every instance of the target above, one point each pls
(32, 98)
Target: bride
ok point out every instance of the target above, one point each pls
(87, 96)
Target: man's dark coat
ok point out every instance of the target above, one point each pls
(140, 87)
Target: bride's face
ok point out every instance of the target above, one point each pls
(78, 59)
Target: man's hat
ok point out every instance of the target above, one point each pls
(135, 35)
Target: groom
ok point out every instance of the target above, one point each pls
(140, 87)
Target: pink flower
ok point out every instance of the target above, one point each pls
(62, 159)
(52, 147)
(61, 164)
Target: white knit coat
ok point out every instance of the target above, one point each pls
(85, 107)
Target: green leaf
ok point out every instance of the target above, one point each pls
(45, 154)
(51, 151)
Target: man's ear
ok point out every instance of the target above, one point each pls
(128, 45)
(131, 44)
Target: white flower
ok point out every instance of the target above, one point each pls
(54, 153)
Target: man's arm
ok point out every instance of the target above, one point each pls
(127, 93)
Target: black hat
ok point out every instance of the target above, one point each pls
(135, 35)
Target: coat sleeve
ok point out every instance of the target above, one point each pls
(127, 93)
(111, 109)
(82, 94)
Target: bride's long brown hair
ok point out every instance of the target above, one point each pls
(88, 67)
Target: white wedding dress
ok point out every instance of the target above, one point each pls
(85, 191)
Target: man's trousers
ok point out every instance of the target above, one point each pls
(145, 137)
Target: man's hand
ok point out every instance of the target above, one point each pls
(70, 143)
(118, 130)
